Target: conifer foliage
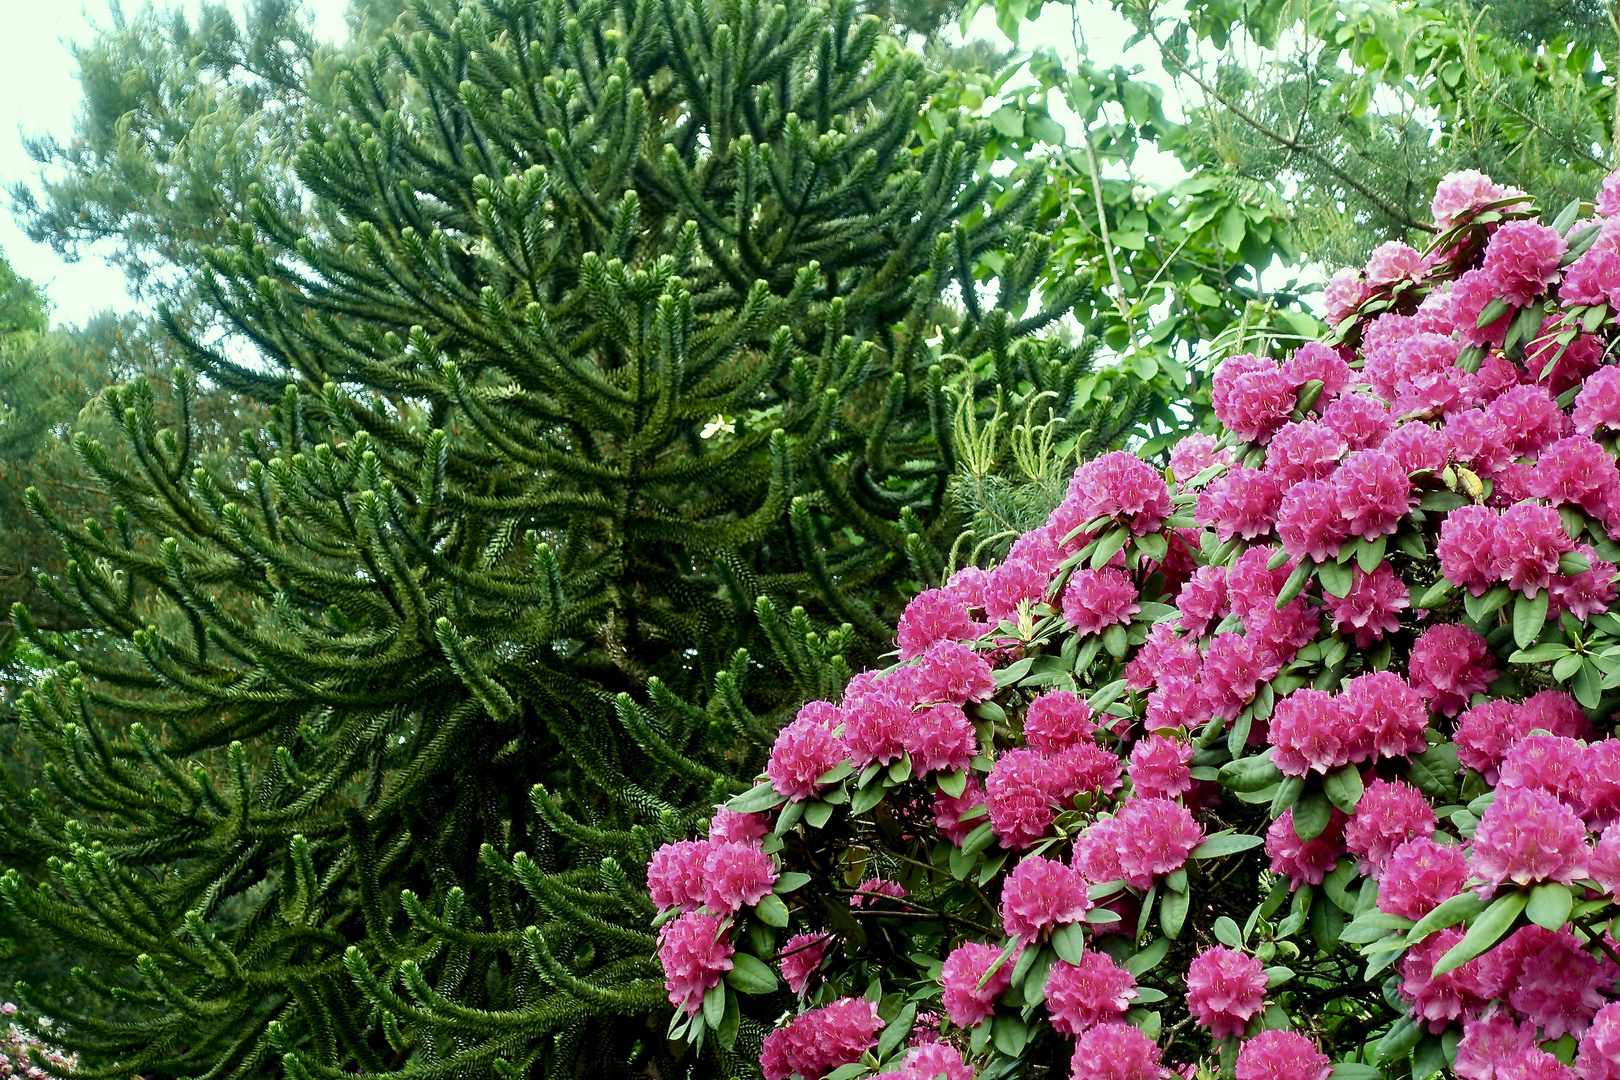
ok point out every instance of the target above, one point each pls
(612, 340)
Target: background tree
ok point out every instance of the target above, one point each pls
(609, 365)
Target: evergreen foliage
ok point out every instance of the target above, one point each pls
(610, 360)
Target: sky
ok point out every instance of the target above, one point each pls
(39, 95)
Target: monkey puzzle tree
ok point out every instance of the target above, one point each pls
(611, 356)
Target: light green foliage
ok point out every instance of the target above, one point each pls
(608, 354)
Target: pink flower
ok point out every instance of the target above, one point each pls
(1465, 549)
(1015, 582)
(1304, 862)
(1308, 521)
(1231, 673)
(1314, 360)
(1304, 451)
(728, 826)
(1085, 767)
(875, 714)
(940, 738)
(1096, 852)
(1419, 876)
(1598, 403)
(1551, 763)
(1599, 796)
(801, 958)
(1522, 260)
(1389, 813)
(948, 811)
(1094, 991)
(1281, 1055)
(1098, 599)
(1362, 420)
(1374, 493)
(1387, 718)
(1193, 454)
(1528, 836)
(675, 875)
(1418, 448)
(966, 1002)
(1587, 593)
(1163, 653)
(804, 750)
(736, 876)
(1159, 767)
(932, 1060)
(1493, 1049)
(1578, 472)
(1599, 1056)
(1392, 262)
(1476, 438)
(1057, 720)
(1155, 837)
(695, 954)
(953, 672)
(1225, 989)
(872, 891)
(1252, 397)
(1460, 194)
(1116, 1052)
(1470, 295)
(1548, 978)
(1530, 417)
(1526, 544)
(1372, 607)
(821, 1040)
(933, 615)
(1448, 665)
(1439, 999)
(1310, 731)
(1203, 599)
(1124, 488)
(1345, 291)
(1041, 895)
(1020, 796)
(1243, 503)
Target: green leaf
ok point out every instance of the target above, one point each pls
(1114, 640)
(1352, 1070)
(1335, 578)
(1549, 905)
(1289, 789)
(714, 1005)
(896, 1032)
(1429, 1059)
(789, 881)
(1539, 654)
(817, 814)
(757, 798)
(1311, 816)
(1459, 908)
(1529, 616)
(1039, 972)
(1573, 562)
(1434, 772)
(1485, 931)
(1491, 311)
(1295, 584)
(1480, 606)
(1233, 223)
(1069, 941)
(865, 798)
(979, 839)
(1397, 1042)
(1203, 295)
(1140, 963)
(1173, 912)
(771, 911)
(1108, 546)
(952, 783)
(1250, 773)
(1010, 1036)
(1228, 933)
(1435, 595)
(1106, 695)
(1343, 788)
(750, 975)
(1226, 844)
(1276, 976)
(1371, 553)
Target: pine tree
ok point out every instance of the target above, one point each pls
(611, 366)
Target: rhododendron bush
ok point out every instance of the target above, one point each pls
(1288, 762)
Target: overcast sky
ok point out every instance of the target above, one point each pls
(39, 94)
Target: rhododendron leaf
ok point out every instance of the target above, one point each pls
(1276, 976)
(1000, 961)
(1595, 317)
(1308, 395)
(1434, 772)
(1588, 685)
(714, 1005)
(1484, 931)
(1567, 665)
(1250, 773)
(1225, 843)
(836, 773)
(757, 798)
(900, 771)
(1429, 1059)
(1412, 544)
(1343, 786)
(789, 881)
(1459, 908)
(1524, 327)
(1227, 932)
(1069, 941)
(817, 814)
(1369, 553)
(865, 798)
(1146, 914)
(1289, 790)
(1353, 1070)
(1108, 545)
(1441, 502)
(789, 817)
(979, 839)
(761, 938)
(1549, 905)
(1396, 1044)
(952, 783)
(1295, 584)
(848, 1072)
(750, 975)
(1327, 923)
(1026, 960)
(1335, 578)
(1173, 912)
(1540, 654)
(1529, 617)
(771, 911)
(1238, 736)
(981, 1035)
(1013, 672)
(1153, 545)
(1312, 813)
(1566, 217)
(1579, 242)
(1478, 607)
(1491, 312)
(1011, 1035)
(1102, 917)
(1435, 595)
(961, 862)
(1336, 883)
(1114, 640)
(898, 1029)
(992, 866)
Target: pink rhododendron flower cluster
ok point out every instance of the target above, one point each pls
(1332, 684)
